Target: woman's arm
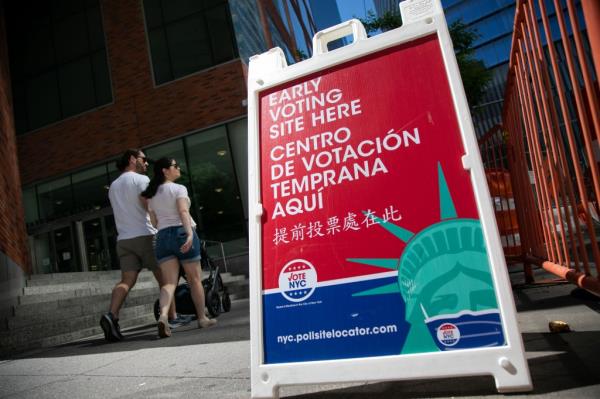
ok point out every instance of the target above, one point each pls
(183, 207)
(153, 218)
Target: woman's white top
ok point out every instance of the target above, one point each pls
(164, 205)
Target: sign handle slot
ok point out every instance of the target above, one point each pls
(352, 27)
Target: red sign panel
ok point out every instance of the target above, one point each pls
(353, 139)
(343, 152)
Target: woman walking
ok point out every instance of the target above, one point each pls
(176, 240)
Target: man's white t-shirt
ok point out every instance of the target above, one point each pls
(131, 217)
(164, 205)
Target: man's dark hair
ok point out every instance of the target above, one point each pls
(123, 162)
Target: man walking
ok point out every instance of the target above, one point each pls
(135, 241)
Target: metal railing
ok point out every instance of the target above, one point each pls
(213, 252)
(548, 143)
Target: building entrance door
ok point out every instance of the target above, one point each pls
(66, 260)
(96, 248)
(41, 253)
(54, 251)
(97, 238)
(75, 244)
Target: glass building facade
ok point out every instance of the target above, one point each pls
(60, 68)
(246, 22)
(383, 6)
(288, 25)
(493, 21)
(187, 36)
(58, 60)
(70, 221)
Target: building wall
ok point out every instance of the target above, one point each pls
(13, 248)
(383, 6)
(248, 31)
(141, 114)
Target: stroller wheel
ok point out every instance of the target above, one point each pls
(156, 310)
(206, 284)
(226, 302)
(213, 303)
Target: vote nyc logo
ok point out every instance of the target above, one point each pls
(297, 280)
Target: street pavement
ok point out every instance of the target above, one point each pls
(215, 363)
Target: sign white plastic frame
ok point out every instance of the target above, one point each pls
(507, 364)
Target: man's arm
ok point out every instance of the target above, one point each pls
(153, 219)
(144, 202)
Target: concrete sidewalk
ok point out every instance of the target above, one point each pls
(214, 363)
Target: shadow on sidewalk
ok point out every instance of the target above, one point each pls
(557, 361)
(561, 362)
(232, 326)
(553, 296)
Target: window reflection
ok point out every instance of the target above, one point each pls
(55, 198)
(42, 259)
(89, 189)
(58, 60)
(238, 136)
(213, 169)
(64, 249)
(111, 238)
(113, 173)
(217, 199)
(187, 36)
(173, 149)
(98, 257)
(30, 205)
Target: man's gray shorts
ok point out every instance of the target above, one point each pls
(137, 253)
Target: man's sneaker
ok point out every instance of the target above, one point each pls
(174, 323)
(116, 323)
(186, 318)
(110, 326)
(181, 320)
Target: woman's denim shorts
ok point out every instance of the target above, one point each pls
(168, 245)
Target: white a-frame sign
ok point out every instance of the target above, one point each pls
(374, 251)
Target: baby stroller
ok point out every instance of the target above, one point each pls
(215, 292)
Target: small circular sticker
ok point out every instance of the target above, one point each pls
(448, 334)
(297, 280)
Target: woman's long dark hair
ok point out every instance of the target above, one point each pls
(158, 178)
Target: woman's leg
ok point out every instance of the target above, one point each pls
(170, 274)
(158, 276)
(193, 272)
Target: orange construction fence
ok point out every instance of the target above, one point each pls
(542, 163)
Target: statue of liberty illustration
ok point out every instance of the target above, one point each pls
(445, 280)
